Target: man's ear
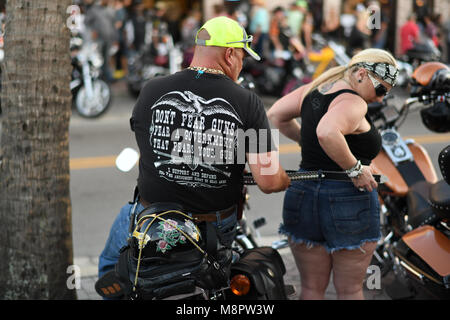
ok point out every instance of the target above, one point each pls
(229, 52)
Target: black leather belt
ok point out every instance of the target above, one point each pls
(199, 217)
(315, 175)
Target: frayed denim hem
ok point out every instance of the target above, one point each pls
(310, 244)
(358, 246)
(295, 240)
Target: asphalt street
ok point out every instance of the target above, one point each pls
(99, 190)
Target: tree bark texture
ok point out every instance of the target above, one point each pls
(35, 210)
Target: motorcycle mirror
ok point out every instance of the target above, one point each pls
(126, 160)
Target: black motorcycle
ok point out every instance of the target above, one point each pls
(91, 94)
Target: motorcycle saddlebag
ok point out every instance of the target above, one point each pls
(265, 269)
(161, 278)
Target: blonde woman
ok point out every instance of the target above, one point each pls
(333, 226)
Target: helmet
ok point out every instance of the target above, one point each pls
(437, 117)
(433, 78)
(430, 76)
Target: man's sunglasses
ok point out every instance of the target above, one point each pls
(380, 89)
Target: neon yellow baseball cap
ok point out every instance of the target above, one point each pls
(226, 32)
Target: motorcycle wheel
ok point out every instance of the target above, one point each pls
(92, 108)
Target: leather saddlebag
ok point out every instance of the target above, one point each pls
(265, 269)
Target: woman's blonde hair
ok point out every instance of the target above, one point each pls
(337, 73)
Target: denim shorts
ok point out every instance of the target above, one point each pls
(334, 214)
(119, 234)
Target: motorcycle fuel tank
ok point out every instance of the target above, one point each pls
(397, 185)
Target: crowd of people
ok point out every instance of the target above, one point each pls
(126, 26)
(123, 27)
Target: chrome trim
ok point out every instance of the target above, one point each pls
(411, 270)
(445, 225)
(245, 240)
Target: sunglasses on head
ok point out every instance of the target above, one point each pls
(247, 39)
(380, 89)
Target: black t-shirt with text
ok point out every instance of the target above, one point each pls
(193, 130)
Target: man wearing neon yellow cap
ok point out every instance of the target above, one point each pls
(195, 130)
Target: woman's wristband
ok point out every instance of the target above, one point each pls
(355, 171)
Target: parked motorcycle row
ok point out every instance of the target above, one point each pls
(276, 75)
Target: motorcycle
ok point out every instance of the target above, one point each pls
(275, 74)
(413, 58)
(91, 95)
(326, 53)
(415, 226)
(150, 62)
(425, 51)
(195, 272)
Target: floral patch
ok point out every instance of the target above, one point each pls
(171, 236)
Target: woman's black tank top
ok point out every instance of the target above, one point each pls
(364, 146)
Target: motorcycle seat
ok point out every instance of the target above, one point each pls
(440, 199)
(419, 208)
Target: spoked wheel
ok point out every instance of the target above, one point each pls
(97, 105)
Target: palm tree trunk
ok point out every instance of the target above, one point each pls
(35, 210)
